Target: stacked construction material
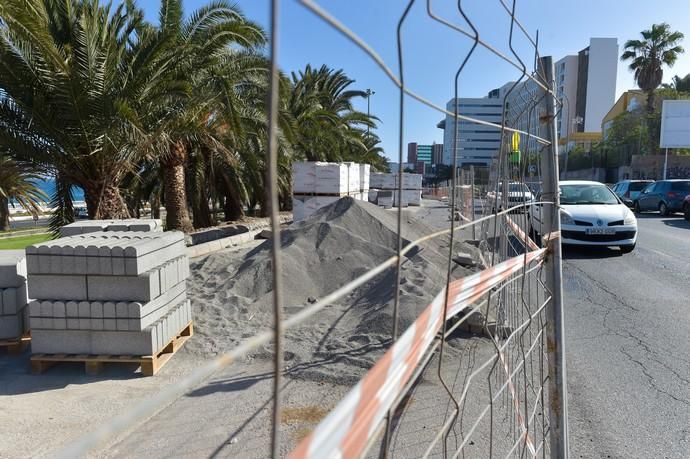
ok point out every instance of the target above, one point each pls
(92, 226)
(13, 295)
(317, 184)
(108, 293)
(383, 183)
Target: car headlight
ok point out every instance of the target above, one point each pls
(566, 219)
(630, 219)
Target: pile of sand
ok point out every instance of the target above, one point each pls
(232, 299)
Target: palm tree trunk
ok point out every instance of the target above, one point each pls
(652, 137)
(177, 214)
(232, 208)
(201, 212)
(104, 201)
(4, 214)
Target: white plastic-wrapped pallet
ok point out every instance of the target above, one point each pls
(364, 171)
(304, 177)
(413, 197)
(412, 181)
(353, 178)
(331, 178)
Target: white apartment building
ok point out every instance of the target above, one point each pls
(586, 84)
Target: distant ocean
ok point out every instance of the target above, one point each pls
(48, 187)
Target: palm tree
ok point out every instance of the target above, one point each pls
(66, 66)
(328, 128)
(17, 184)
(659, 47)
(197, 54)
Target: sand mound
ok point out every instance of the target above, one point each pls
(232, 295)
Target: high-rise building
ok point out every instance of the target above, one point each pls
(437, 153)
(476, 143)
(421, 156)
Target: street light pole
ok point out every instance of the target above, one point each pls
(369, 94)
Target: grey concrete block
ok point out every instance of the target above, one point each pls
(9, 300)
(13, 268)
(109, 324)
(59, 323)
(57, 287)
(56, 257)
(11, 326)
(72, 323)
(97, 323)
(80, 264)
(67, 259)
(84, 323)
(35, 308)
(60, 309)
(122, 310)
(118, 227)
(139, 323)
(117, 258)
(109, 310)
(122, 324)
(84, 309)
(61, 342)
(105, 259)
(124, 288)
(72, 309)
(46, 309)
(44, 259)
(143, 342)
(32, 263)
(97, 310)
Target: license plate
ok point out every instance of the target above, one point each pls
(595, 231)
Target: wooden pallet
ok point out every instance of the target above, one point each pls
(93, 364)
(16, 346)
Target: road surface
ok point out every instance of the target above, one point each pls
(628, 345)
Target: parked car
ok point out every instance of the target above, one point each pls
(686, 208)
(665, 196)
(592, 215)
(629, 190)
(518, 193)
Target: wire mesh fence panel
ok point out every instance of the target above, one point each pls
(476, 371)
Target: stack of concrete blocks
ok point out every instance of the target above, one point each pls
(108, 293)
(318, 184)
(385, 187)
(14, 321)
(92, 226)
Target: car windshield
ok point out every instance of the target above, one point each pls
(587, 194)
(638, 186)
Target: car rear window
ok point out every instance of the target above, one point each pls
(680, 186)
(638, 186)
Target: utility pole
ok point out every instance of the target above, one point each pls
(555, 329)
(665, 163)
(369, 94)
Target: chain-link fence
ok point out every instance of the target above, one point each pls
(480, 370)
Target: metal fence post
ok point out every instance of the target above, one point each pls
(558, 407)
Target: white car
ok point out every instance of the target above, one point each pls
(518, 193)
(591, 214)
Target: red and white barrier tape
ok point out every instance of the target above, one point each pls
(345, 432)
(521, 234)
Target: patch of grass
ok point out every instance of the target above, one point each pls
(20, 242)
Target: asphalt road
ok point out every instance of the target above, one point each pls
(628, 345)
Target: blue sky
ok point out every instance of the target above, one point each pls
(433, 52)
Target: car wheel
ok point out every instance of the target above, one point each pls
(636, 208)
(663, 209)
(686, 211)
(627, 248)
